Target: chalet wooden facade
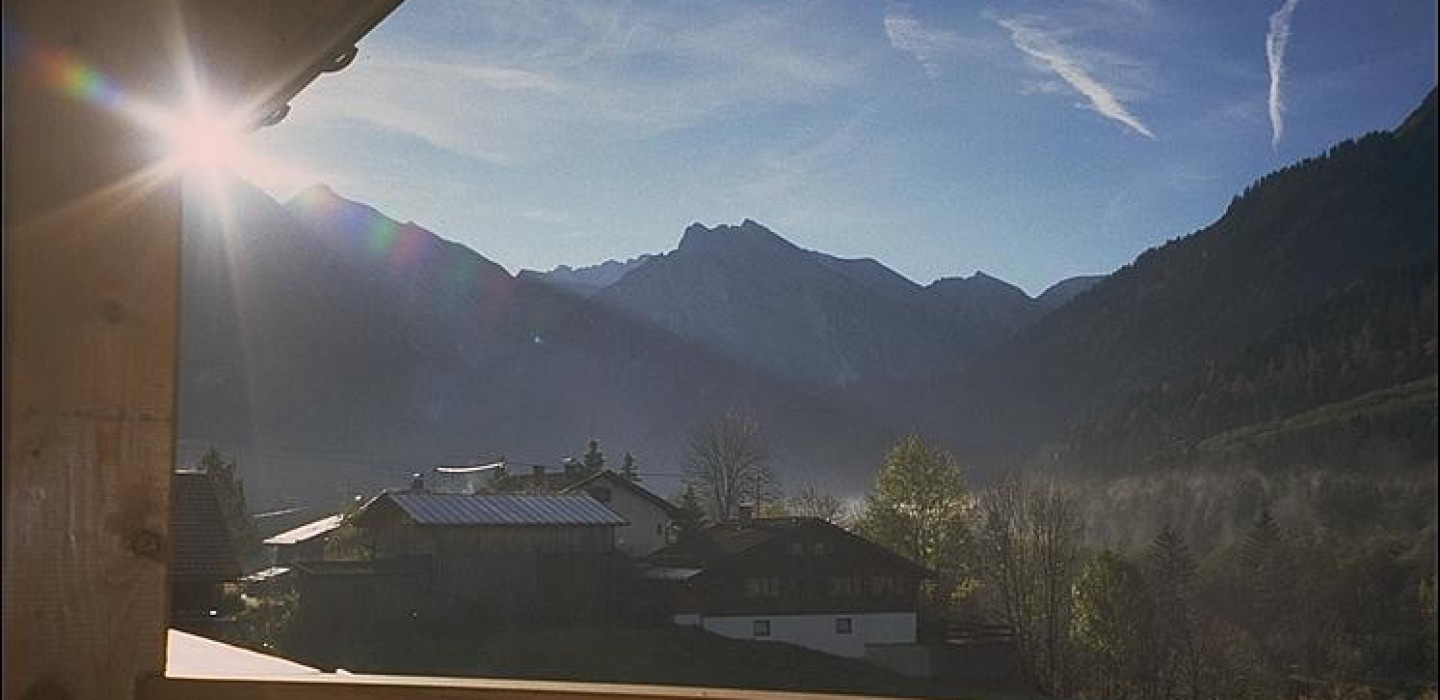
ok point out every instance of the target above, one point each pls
(502, 555)
(798, 580)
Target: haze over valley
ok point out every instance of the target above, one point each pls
(334, 350)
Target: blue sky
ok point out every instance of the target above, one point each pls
(1031, 140)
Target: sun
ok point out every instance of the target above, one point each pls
(206, 140)
(209, 145)
(201, 141)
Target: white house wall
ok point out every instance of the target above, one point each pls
(648, 523)
(814, 631)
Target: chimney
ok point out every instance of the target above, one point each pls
(571, 466)
(417, 482)
(747, 513)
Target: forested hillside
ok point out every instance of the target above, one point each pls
(1317, 285)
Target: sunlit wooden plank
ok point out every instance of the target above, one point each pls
(366, 687)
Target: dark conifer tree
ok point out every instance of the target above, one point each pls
(594, 459)
(629, 468)
(692, 514)
(1267, 583)
(1170, 572)
(230, 492)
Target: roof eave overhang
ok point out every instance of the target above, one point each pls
(257, 55)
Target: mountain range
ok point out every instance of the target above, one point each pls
(587, 280)
(332, 350)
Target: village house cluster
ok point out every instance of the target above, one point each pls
(563, 546)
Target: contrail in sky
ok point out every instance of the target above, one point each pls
(1275, 42)
(1050, 54)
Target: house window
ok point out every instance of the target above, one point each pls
(767, 587)
(887, 586)
(844, 586)
(760, 628)
(818, 549)
(797, 548)
(843, 625)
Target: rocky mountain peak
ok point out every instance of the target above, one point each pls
(748, 236)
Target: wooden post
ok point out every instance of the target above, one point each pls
(91, 275)
(91, 272)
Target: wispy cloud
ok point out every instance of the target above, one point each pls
(925, 44)
(1137, 7)
(804, 159)
(526, 81)
(1275, 42)
(1049, 54)
(447, 100)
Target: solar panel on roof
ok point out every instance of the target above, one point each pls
(457, 509)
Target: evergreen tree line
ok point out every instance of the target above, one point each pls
(1376, 333)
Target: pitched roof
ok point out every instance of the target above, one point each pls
(308, 531)
(202, 549)
(488, 510)
(610, 477)
(731, 540)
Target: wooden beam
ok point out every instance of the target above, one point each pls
(91, 275)
(258, 54)
(364, 687)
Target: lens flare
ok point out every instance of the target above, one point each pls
(200, 137)
(205, 139)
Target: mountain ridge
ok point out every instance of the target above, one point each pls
(843, 320)
(1288, 242)
(335, 348)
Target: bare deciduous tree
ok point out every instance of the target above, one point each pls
(1029, 537)
(729, 463)
(811, 502)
